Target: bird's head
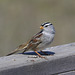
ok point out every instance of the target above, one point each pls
(47, 26)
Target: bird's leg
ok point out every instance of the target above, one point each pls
(40, 55)
(44, 52)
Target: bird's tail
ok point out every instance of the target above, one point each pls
(16, 50)
(21, 47)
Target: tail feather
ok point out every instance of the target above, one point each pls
(16, 50)
(21, 47)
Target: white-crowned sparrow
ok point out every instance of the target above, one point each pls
(39, 41)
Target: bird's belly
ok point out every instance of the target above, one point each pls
(46, 41)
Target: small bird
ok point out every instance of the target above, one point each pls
(39, 41)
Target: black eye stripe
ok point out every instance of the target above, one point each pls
(51, 24)
(46, 25)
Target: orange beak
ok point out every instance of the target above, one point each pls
(41, 27)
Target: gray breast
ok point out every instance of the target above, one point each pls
(46, 40)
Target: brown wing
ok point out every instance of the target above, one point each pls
(34, 40)
(33, 43)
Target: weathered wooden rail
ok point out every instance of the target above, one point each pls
(61, 63)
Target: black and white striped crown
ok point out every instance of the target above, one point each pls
(46, 23)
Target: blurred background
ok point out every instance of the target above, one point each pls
(21, 19)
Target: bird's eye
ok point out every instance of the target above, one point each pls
(46, 26)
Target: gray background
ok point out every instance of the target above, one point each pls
(20, 19)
